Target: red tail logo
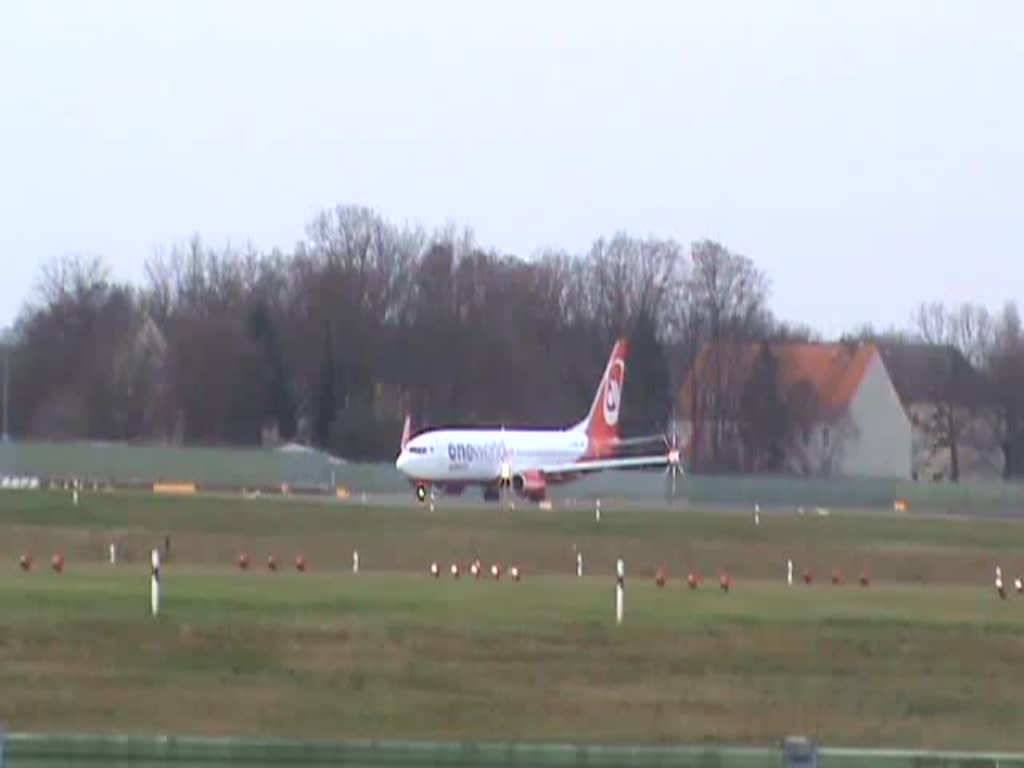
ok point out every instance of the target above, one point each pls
(602, 424)
(613, 392)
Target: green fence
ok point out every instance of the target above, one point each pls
(858, 758)
(130, 464)
(793, 493)
(213, 467)
(866, 493)
(40, 751)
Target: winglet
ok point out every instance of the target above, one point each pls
(406, 431)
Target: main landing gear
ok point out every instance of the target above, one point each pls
(421, 492)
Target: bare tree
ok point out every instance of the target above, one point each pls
(629, 277)
(967, 328)
(724, 307)
(1005, 367)
(71, 277)
(86, 357)
(960, 399)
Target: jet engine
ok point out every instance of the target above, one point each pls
(530, 485)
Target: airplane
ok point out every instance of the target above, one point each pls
(528, 461)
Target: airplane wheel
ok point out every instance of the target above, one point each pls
(421, 493)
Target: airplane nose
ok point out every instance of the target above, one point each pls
(402, 461)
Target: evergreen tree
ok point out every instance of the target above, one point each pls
(278, 399)
(647, 403)
(326, 408)
(763, 415)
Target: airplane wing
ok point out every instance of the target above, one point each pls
(640, 440)
(598, 465)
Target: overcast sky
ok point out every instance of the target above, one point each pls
(866, 154)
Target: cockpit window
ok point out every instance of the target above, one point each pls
(418, 449)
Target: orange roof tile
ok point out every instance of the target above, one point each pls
(833, 371)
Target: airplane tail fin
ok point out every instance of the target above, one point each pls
(406, 431)
(602, 423)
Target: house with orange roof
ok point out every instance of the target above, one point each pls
(825, 409)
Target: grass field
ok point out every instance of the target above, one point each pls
(927, 656)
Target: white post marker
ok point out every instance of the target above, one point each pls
(113, 553)
(154, 584)
(620, 589)
(597, 511)
(355, 561)
(74, 496)
(579, 565)
(757, 514)
(789, 572)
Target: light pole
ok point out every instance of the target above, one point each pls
(5, 339)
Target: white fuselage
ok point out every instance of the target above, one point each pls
(487, 455)
(527, 460)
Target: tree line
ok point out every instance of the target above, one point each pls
(365, 320)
